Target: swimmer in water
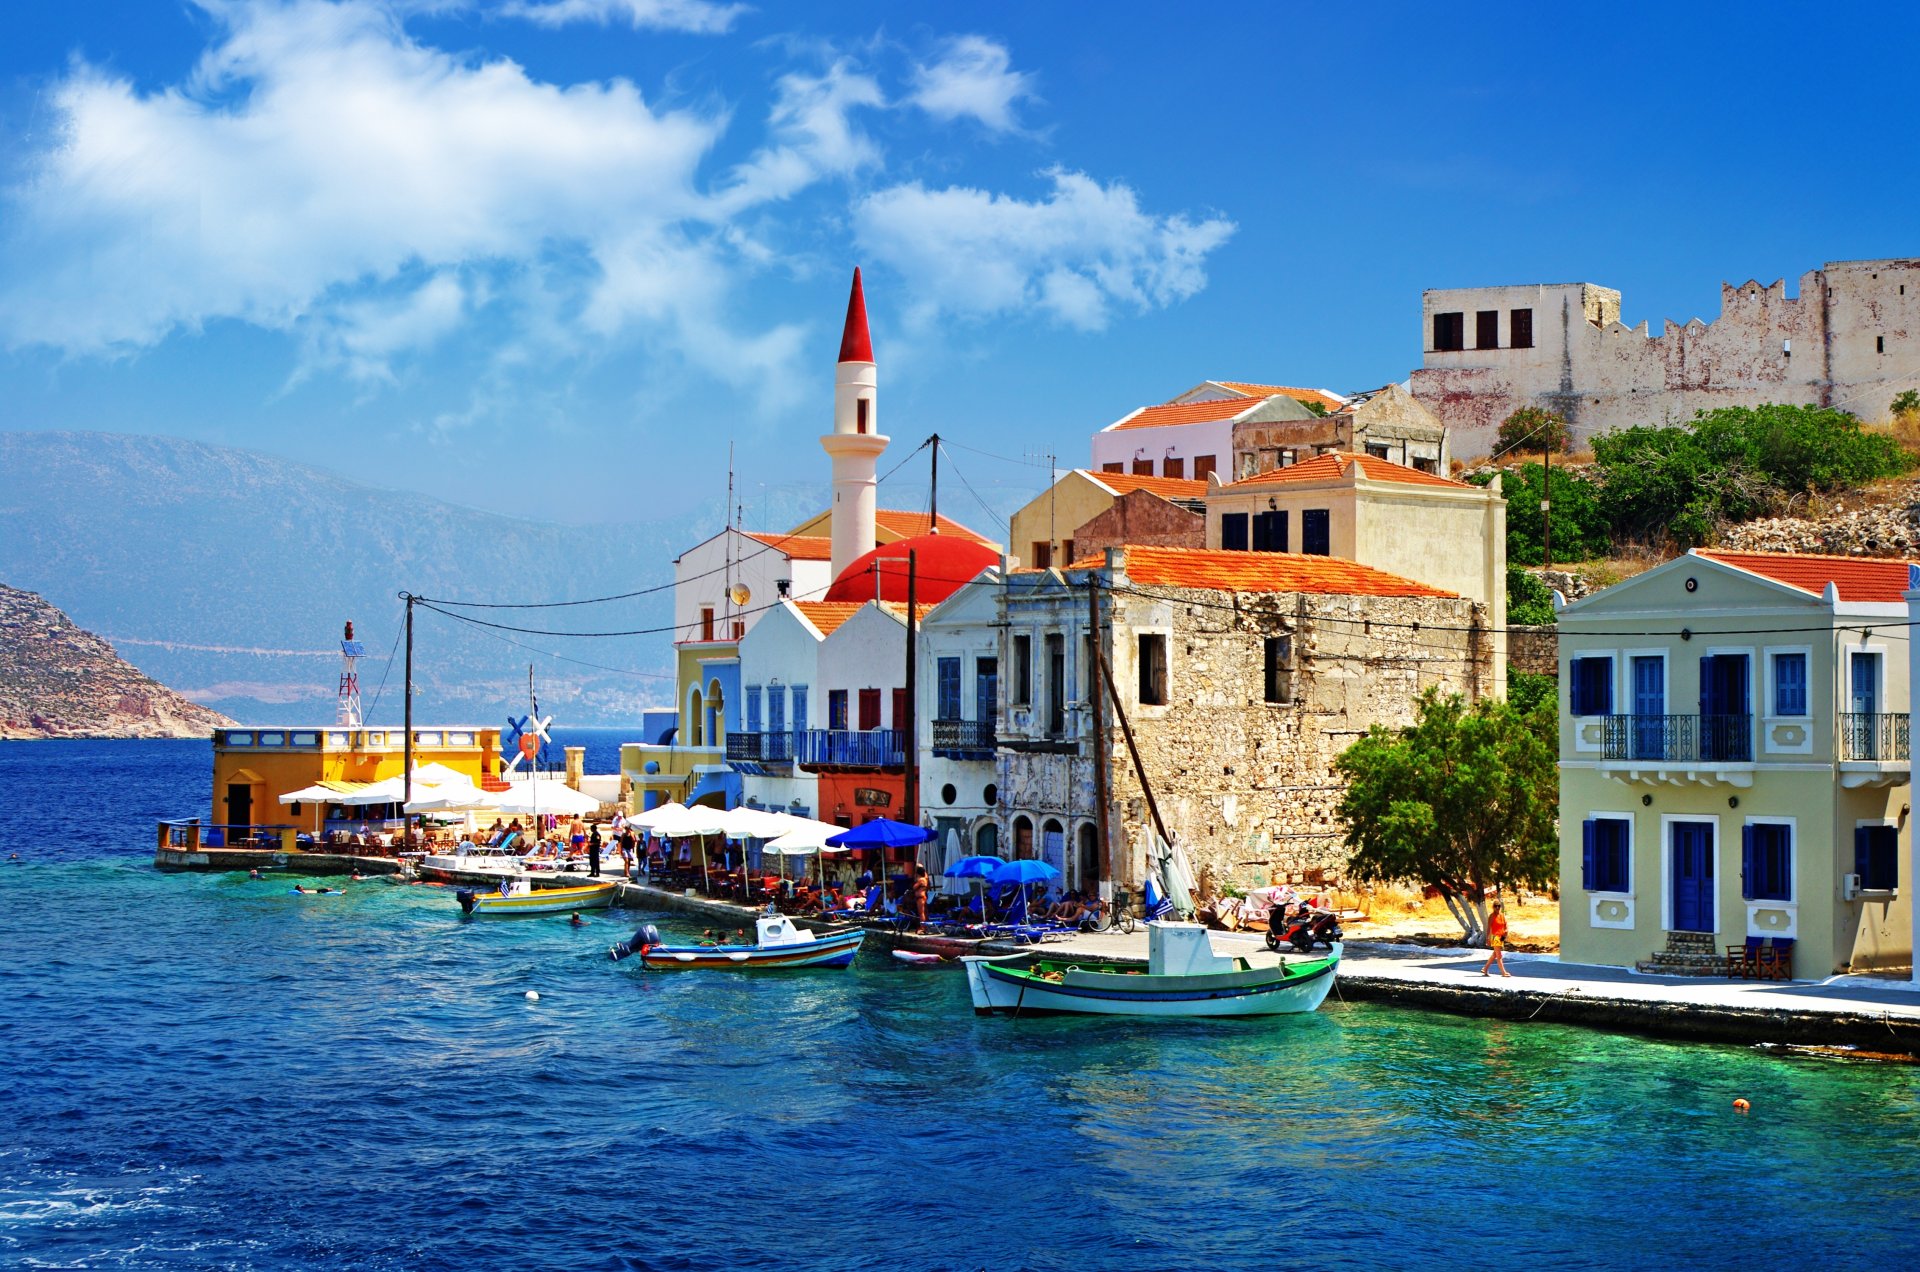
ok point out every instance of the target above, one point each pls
(576, 920)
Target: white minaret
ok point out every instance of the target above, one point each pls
(855, 443)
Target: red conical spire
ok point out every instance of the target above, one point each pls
(855, 344)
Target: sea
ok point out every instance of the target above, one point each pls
(204, 1071)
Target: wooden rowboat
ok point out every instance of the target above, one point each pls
(519, 897)
(1183, 977)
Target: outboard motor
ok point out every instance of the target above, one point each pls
(466, 899)
(644, 939)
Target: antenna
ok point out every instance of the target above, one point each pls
(350, 652)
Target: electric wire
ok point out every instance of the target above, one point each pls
(398, 628)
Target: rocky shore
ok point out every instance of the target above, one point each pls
(60, 681)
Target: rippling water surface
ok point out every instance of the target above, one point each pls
(202, 1071)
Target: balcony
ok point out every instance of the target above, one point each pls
(1873, 748)
(850, 749)
(963, 739)
(1704, 749)
(760, 753)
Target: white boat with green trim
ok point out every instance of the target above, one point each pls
(1184, 976)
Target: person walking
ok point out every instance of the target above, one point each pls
(1497, 940)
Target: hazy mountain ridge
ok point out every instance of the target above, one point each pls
(228, 573)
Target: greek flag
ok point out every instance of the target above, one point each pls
(1155, 902)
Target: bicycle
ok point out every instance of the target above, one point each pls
(1119, 914)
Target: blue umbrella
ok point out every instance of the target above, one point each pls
(1025, 870)
(880, 833)
(974, 868)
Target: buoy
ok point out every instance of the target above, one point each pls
(533, 996)
(1741, 1106)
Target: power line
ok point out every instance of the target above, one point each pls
(384, 670)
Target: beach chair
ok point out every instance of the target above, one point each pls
(1743, 961)
(1776, 960)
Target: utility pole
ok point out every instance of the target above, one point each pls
(933, 496)
(1099, 743)
(406, 818)
(1546, 501)
(912, 740)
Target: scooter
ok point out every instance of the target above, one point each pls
(1304, 929)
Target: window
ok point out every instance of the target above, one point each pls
(1590, 686)
(1042, 555)
(947, 689)
(1153, 670)
(1790, 684)
(1425, 464)
(1879, 344)
(1876, 857)
(1066, 552)
(1270, 531)
(900, 710)
(753, 708)
(1143, 468)
(1279, 659)
(1056, 671)
(1766, 862)
(869, 709)
(1233, 532)
(837, 709)
(1486, 329)
(1203, 466)
(1113, 468)
(986, 683)
(1377, 450)
(1022, 838)
(1316, 532)
(1449, 332)
(1520, 328)
(1605, 854)
(800, 708)
(1022, 686)
(860, 415)
(706, 622)
(1174, 468)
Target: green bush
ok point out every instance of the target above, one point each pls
(1905, 402)
(1529, 601)
(1580, 531)
(1530, 430)
(1527, 690)
(1684, 482)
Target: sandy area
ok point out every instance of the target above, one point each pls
(1533, 925)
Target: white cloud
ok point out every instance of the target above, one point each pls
(698, 17)
(1077, 255)
(972, 78)
(362, 336)
(813, 135)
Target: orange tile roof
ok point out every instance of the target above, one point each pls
(1342, 465)
(1261, 572)
(798, 547)
(1187, 413)
(1331, 401)
(908, 524)
(827, 615)
(1855, 578)
(1165, 487)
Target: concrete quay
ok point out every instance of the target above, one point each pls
(1865, 1013)
(301, 863)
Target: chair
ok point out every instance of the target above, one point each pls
(1743, 961)
(1776, 960)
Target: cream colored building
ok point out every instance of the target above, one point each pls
(1043, 531)
(1414, 524)
(1734, 764)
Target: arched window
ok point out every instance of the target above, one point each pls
(1053, 844)
(697, 719)
(986, 840)
(1088, 876)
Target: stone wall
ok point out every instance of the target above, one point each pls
(1885, 531)
(1141, 517)
(1249, 786)
(1535, 650)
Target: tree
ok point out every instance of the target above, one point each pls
(1580, 530)
(1530, 430)
(1464, 798)
(1529, 601)
(1905, 403)
(1528, 689)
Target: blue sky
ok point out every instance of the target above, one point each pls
(553, 255)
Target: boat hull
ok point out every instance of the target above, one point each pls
(595, 896)
(999, 987)
(827, 950)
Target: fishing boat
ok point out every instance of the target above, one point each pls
(1184, 976)
(517, 897)
(778, 943)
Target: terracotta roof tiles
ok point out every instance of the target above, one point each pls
(1201, 568)
(1165, 487)
(827, 615)
(1854, 578)
(908, 524)
(1336, 467)
(1172, 413)
(798, 547)
(1332, 401)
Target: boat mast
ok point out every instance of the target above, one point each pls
(406, 818)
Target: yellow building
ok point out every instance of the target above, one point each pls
(1043, 532)
(254, 767)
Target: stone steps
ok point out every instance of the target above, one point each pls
(1687, 954)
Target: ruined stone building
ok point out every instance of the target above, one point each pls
(1243, 676)
(1386, 423)
(1849, 339)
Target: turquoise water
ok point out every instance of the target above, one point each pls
(203, 1071)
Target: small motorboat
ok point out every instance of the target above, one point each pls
(1184, 976)
(517, 896)
(778, 943)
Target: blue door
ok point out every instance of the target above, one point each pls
(1649, 708)
(1726, 722)
(1863, 674)
(1692, 876)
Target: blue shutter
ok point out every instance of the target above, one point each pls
(1589, 835)
(1746, 863)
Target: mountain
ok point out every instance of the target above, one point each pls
(229, 574)
(57, 681)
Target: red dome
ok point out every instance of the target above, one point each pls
(942, 563)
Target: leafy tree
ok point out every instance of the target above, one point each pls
(1527, 690)
(1580, 526)
(1905, 402)
(1464, 798)
(1529, 601)
(1316, 407)
(1530, 430)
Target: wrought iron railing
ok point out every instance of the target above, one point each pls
(760, 748)
(1874, 735)
(1703, 739)
(850, 748)
(970, 736)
